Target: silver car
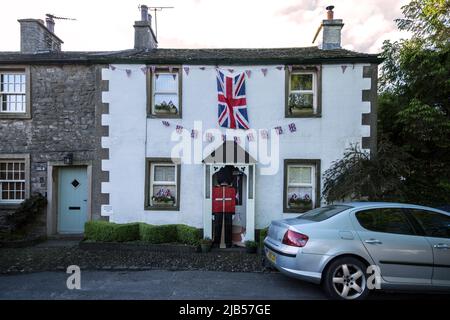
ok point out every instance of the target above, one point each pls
(351, 248)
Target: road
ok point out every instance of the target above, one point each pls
(197, 285)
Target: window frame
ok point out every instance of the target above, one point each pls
(413, 227)
(151, 91)
(418, 224)
(25, 158)
(19, 70)
(150, 164)
(316, 71)
(316, 179)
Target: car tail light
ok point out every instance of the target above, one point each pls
(295, 239)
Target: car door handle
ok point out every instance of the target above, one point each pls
(373, 241)
(441, 246)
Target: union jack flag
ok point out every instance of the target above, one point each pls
(232, 101)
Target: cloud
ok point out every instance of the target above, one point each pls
(108, 24)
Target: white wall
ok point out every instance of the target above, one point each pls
(322, 138)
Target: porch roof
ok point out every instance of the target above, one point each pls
(229, 152)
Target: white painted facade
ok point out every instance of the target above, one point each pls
(133, 136)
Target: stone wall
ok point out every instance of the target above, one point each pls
(65, 119)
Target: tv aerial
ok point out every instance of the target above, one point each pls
(155, 10)
(51, 16)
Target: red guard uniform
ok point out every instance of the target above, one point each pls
(223, 208)
(224, 199)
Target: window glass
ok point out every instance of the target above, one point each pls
(323, 213)
(163, 185)
(166, 82)
(301, 81)
(164, 173)
(435, 224)
(12, 93)
(300, 187)
(300, 174)
(388, 220)
(12, 181)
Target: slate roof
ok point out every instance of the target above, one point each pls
(302, 55)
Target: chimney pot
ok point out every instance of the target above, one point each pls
(144, 13)
(330, 13)
(50, 23)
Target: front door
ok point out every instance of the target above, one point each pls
(72, 199)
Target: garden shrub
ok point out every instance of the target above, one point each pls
(104, 231)
(262, 236)
(188, 235)
(158, 234)
(27, 212)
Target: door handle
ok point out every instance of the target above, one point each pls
(373, 241)
(441, 246)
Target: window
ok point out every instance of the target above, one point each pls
(301, 187)
(12, 181)
(434, 224)
(15, 92)
(12, 92)
(165, 93)
(324, 213)
(303, 93)
(388, 220)
(162, 191)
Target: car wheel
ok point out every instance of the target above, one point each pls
(346, 279)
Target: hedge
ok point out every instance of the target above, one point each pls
(158, 234)
(104, 231)
(262, 236)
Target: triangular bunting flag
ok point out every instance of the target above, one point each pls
(248, 73)
(264, 71)
(128, 71)
(186, 69)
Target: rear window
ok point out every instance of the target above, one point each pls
(324, 213)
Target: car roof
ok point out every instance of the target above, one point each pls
(381, 204)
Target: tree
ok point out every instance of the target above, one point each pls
(413, 114)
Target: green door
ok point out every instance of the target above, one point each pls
(72, 199)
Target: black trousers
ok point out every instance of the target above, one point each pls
(218, 220)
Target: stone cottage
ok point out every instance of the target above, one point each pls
(143, 134)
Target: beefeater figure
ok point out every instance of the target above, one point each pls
(223, 209)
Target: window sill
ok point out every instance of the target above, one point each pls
(306, 115)
(164, 116)
(10, 205)
(7, 116)
(161, 208)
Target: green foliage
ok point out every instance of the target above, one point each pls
(158, 234)
(357, 176)
(427, 19)
(27, 212)
(251, 244)
(413, 118)
(104, 231)
(262, 235)
(188, 235)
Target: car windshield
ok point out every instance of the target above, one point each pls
(323, 213)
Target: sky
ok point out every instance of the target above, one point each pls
(108, 24)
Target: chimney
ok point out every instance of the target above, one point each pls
(331, 31)
(50, 23)
(144, 37)
(35, 37)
